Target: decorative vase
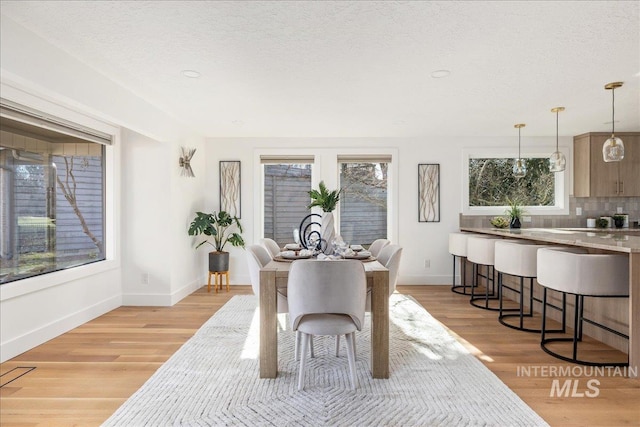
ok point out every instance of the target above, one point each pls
(618, 222)
(515, 222)
(327, 231)
(218, 261)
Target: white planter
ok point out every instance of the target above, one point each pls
(328, 231)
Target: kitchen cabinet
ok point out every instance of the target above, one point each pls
(593, 177)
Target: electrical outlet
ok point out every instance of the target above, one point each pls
(526, 219)
(427, 263)
(145, 278)
(578, 211)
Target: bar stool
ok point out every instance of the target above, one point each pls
(481, 252)
(458, 248)
(581, 275)
(518, 258)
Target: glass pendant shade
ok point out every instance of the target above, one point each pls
(557, 161)
(613, 148)
(519, 168)
(519, 164)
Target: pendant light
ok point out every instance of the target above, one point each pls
(613, 148)
(557, 161)
(519, 166)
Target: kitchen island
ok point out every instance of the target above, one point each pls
(606, 241)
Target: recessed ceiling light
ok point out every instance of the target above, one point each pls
(192, 74)
(438, 74)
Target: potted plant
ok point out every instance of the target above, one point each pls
(515, 212)
(327, 200)
(218, 227)
(618, 221)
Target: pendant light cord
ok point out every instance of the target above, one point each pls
(557, 113)
(613, 112)
(519, 144)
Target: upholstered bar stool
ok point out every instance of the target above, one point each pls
(458, 248)
(481, 252)
(519, 259)
(581, 275)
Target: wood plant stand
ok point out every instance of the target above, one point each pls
(217, 280)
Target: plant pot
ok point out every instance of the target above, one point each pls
(618, 222)
(515, 223)
(328, 231)
(218, 261)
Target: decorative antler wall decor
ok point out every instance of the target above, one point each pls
(185, 161)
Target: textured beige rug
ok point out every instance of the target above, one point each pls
(213, 380)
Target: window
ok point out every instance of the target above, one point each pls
(490, 185)
(52, 193)
(363, 202)
(287, 182)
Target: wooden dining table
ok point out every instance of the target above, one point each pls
(275, 275)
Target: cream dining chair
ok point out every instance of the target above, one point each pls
(377, 246)
(271, 246)
(327, 298)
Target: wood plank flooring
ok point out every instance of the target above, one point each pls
(83, 376)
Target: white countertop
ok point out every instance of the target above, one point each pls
(607, 239)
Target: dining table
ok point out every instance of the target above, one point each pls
(275, 276)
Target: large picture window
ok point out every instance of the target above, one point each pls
(490, 185)
(52, 193)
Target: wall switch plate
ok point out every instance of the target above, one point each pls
(526, 219)
(578, 211)
(619, 209)
(427, 263)
(145, 278)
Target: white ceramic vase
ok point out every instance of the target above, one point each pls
(328, 231)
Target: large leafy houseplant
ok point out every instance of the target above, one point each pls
(324, 198)
(217, 225)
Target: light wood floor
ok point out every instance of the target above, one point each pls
(83, 376)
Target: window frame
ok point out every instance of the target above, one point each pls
(111, 188)
(562, 180)
(326, 168)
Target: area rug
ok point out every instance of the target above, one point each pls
(212, 380)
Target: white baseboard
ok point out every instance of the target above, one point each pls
(19, 345)
(425, 280)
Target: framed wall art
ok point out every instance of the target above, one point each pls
(429, 192)
(230, 187)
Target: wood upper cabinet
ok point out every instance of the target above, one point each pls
(593, 177)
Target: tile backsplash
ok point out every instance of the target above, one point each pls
(592, 207)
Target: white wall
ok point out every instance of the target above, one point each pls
(149, 207)
(420, 240)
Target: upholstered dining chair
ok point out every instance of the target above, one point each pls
(377, 246)
(257, 258)
(327, 298)
(271, 246)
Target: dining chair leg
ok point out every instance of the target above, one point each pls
(303, 358)
(352, 359)
(296, 347)
(337, 345)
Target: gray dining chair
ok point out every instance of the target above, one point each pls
(257, 258)
(271, 246)
(377, 246)
(327, 298)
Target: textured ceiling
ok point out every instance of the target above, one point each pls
(360, 68)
